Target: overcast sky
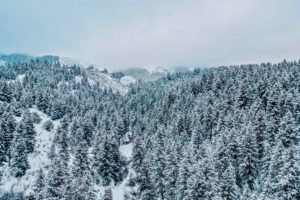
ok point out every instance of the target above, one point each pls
(133, 33)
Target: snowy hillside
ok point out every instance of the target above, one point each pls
(218, 133)
(35, 126)
(37, 160)
(97, 75)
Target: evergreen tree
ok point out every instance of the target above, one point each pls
(170, 171)
(107, 160)
(57, 110)
(183, 176)
(18, 153)
(228, 188)
(288, 185)
(107, 194)
(120, 129)
(248, 166)
(273, 114)
(88, 129)
(244, 97)
(145, 190)
(57, 180)
(42, 101)
(276, 163)
(39, 186)
(62, 143)
(7, 128)
(3, 148)
(204, 184)
(158, 164)
(196, 184)
(137, 154)
(259, 132)
(81, 172)
(26, 129)
(288, 131)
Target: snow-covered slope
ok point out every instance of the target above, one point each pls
(37, 160)
(99, 75)
(106, 81)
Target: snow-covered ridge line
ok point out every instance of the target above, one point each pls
(72, 61)
(98, 74)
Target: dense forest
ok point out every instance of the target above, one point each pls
(218, 133)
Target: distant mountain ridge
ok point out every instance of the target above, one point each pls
(15, 58)
(21, 58)
(152, 73)
(123, 78)
(95, 74)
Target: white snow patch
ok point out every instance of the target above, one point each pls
(18, 78)
(78, 79)
(95, 75)
(126, 150)
(127, 80)
(119, 190)
(106, 81)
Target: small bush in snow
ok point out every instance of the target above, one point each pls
(35, 118)
(48, 125)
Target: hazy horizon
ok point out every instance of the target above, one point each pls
(131, 33)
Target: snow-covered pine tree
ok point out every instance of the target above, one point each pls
(81, 172)
(107, 194)
(248, 167)
(107, 159)
(137, 153)
(39, 186)
(57, 180)
(158, 164)
(18, 155)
